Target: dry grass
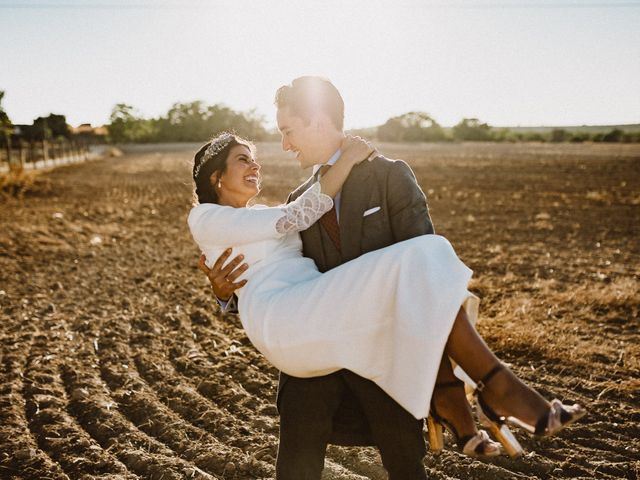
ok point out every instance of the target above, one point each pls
(18, 182)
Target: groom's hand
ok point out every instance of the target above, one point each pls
(223, 278)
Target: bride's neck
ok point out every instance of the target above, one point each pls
(235, 202)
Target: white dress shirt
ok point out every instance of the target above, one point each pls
(334, 158)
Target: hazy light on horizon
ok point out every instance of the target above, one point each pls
(507, 63)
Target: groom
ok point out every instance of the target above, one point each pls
(380, 204)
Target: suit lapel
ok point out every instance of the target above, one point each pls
(311, 237)
(353, 202)
(302, 188)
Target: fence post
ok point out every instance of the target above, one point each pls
(8, 146)
(22, 152)
(45, 151)
(32, 153)
(7, 142)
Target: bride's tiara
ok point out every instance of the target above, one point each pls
(213, 149)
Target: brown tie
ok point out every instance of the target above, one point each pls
(330, 219)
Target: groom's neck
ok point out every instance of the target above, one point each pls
(331, 146)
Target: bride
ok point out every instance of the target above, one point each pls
(411, 299)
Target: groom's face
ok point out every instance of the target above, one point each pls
(305, 139)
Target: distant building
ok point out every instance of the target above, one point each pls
(86, 132)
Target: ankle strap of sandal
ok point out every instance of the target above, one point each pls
(451, 384)
(483, 381)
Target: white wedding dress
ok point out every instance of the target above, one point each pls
(385, 315)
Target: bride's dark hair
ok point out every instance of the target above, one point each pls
(204, 191)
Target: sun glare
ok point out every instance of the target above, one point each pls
(508, 66)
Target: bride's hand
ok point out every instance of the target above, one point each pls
(356, 149)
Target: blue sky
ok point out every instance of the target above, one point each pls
(506, 62)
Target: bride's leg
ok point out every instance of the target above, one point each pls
(450, 408)
(506, 393)
(451, 403)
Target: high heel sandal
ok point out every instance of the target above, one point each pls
(478, 445)
(555, 419)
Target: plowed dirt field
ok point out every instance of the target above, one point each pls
(115, 363)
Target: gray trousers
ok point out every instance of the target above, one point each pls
(307, 407)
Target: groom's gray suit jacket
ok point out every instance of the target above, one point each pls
(402, 214)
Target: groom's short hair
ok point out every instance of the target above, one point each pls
(309, 94)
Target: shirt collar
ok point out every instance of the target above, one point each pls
(334, 158)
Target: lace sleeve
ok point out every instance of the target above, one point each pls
(304, 211)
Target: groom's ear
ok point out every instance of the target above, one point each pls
(319, 122)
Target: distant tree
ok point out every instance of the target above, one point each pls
(411, 127)
(4, 118)
(51, 127)
(533, 137)
(5, 123)
(505, 135)
(196, 122)
(559, 135)
(127, 125)
(391, 131)
(579, 137)
(473, 130)
(367, 132)
(185, 122)
(613, 136)
(120, 120)
(630, 137)
(251, 125)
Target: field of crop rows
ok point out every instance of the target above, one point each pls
(116, 364)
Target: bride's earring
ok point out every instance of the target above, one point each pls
(216, 182)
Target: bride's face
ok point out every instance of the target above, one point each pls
(241, 180)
